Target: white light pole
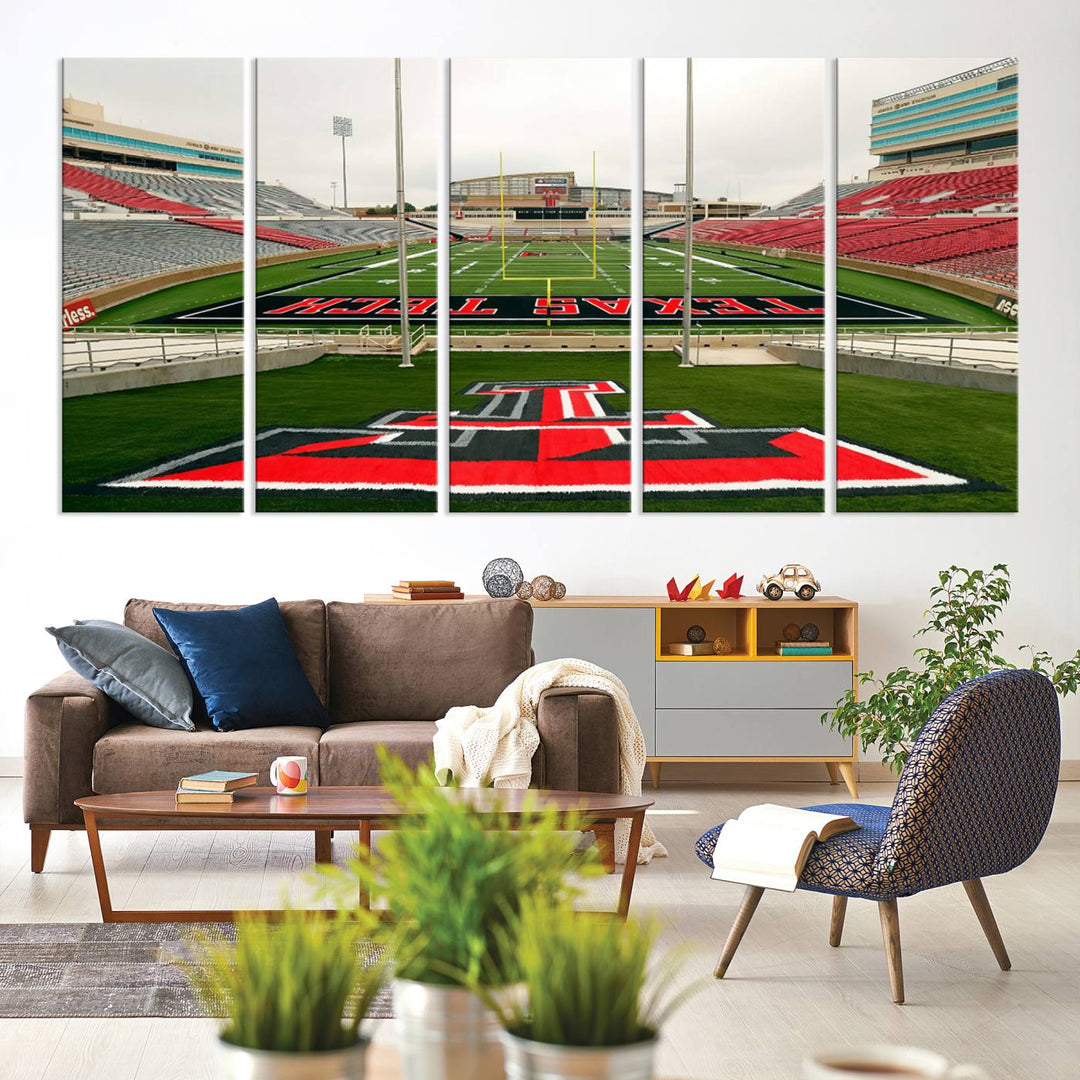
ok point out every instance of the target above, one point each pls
(343, 127)
(333, 194)
(688, 249)
(403, 265)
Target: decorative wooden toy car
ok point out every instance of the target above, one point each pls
(791, 578)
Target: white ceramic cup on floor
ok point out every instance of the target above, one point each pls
(877, 1061)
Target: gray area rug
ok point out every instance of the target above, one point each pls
(108, 969)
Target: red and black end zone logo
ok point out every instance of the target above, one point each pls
(551, 438)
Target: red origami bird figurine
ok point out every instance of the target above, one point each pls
(732, 588)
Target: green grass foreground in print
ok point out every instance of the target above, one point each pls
(106, 436)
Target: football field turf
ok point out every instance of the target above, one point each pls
(496, 289)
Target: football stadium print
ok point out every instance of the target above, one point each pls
(737, 231)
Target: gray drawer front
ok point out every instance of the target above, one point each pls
(730, 684)
(622, 640)
(746, 733)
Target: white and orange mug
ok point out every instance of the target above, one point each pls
(289, 775)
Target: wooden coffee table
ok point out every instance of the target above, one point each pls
(323, 810)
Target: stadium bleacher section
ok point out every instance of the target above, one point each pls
(125, 223)
(928, 220)
(98, 254)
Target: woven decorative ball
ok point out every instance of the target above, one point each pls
(791, 632)
(695, 634)
(501, 577)
(810, 632)
(560, 590)
(524, 590)
(543, 587)
(721, 646)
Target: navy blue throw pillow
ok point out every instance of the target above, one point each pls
(244, 666)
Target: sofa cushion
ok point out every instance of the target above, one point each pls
(414, 662)
(145, 679)
(347, 751)
(244, 666)
(304, 619)
(133, 757)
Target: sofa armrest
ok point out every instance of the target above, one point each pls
(579, 734)
(64, 719)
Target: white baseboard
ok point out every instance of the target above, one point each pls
(11, 766)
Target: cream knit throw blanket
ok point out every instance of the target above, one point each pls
(495, 746)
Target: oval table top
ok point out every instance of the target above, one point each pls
(352, 803)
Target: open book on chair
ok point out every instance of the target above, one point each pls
(768, 845)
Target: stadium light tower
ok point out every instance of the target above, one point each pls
(688, 250)
(403, 265)
(343, 127)
(333, 194)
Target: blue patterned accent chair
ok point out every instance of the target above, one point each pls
(974, 799)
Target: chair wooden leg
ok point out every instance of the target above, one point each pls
(977, 895)
(747, 908)
(836, 923)
(890, 934)
(39, 844)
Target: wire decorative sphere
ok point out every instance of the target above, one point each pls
(721, 646)
(695, 634)
(543, 587)
(791, 632)
(501, 577)
(810, 632)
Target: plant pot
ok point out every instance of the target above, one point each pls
(240, 1063)
(528, 1060)
(445, 1033)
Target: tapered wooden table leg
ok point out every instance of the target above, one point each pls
(323, 846)
(637, 823)
(365, 856)
(102, 882)
(977, 895)
(749, 904)
(847, 771)
(836, 923)
(890, 934)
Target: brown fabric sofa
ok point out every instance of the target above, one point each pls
(385, 672)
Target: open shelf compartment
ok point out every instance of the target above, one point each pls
(733, 623)
(836, 625)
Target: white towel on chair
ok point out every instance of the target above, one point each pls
(496, 745)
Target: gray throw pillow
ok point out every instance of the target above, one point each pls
(144, 678)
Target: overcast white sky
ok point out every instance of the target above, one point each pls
(862, 80)
(757, 126)
(296, 102)
(197, 99)
(544, 115)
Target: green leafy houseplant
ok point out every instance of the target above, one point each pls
(964, 608)
(588, 979)
(294, 986)
(453, 878)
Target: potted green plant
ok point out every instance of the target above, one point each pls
(592, 1005)
(964, 608)
(293, 993)
(452, 880)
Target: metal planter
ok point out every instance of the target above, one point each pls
(239, 1063)
(445, 1033)
(528, 1060)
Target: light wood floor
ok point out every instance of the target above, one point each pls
(786, 991)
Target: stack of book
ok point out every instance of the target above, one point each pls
(687, 648)
(427, 590)
(213, 787)
(804, 648)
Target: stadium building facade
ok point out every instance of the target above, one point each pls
(965, 121)
(554, 187)
(89, 137)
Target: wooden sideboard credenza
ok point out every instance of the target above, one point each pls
(749, 705)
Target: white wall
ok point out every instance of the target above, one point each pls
(56, 568)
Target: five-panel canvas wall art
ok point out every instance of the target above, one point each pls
(768, 379)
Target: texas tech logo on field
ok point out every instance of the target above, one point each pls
(544, 438)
